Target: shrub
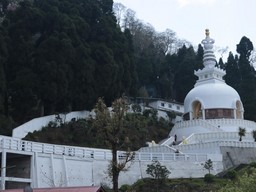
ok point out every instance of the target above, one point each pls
(136, 108)
(209, 178)
(124, 188)
(231, 174)
(157, 171)
(253, 164)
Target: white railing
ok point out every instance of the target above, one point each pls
(168, 141)
(213, 124)
(170, 157)
(216, 136)
(215, 144)
(237, 122)
(194, 123)
(93, 153)
(210, 123)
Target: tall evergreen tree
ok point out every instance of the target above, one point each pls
(221, 64)
(199, 57)
(233, 75)
(248, 78)
(64, 55)
(184, 78)
(3, 57)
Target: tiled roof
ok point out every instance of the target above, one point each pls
(62, 189)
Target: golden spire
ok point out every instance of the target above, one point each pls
(207, 32)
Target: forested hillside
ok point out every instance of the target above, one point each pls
(60, 56)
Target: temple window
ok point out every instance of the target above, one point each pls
(219, 114)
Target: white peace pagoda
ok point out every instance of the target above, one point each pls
(213, 114)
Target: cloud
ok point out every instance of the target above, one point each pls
(184, 3)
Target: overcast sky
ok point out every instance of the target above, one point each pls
(228, 20)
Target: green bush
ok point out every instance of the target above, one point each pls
(157, 171)
(253, 164)
(136, 108)
(209, 178)
(231, 174)
(125, 188)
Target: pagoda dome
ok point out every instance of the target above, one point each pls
(212, 96)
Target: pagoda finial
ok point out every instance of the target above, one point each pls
(207, 32)
(209, 60)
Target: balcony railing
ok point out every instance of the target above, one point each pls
(14, 144)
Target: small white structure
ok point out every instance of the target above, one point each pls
(167, 106)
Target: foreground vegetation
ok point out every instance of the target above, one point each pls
(234, 180)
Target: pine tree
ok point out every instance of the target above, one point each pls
(248, 78)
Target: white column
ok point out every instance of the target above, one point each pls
(36, 171)
(3, 169)
(53, 176)
(31, 170)
(234, 111)
(190, 116)
(203, 114)
(65, 170)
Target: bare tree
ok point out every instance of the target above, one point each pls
(129, 20)
(119, 10)
(111, 125)
(252, 58)
(165, 41)
(222, 50)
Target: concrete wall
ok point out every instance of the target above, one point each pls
(233, 156)
(37, 123)
(55, 170)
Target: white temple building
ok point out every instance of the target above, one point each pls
(213, 114)
(211, 101)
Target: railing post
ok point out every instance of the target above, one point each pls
(3, 169)
(105, 155)
(43, 148)
(3, 143)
